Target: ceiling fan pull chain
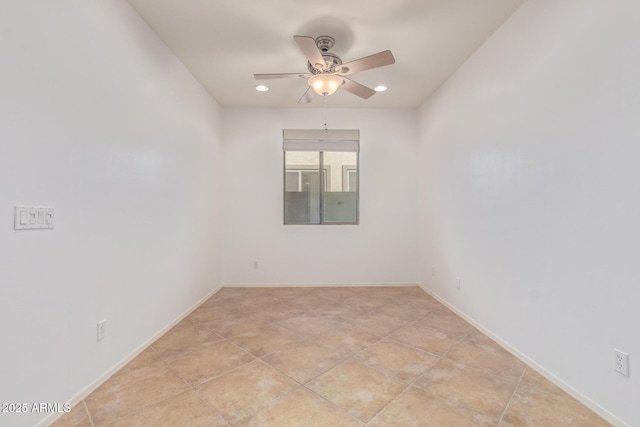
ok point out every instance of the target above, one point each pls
(325, 113)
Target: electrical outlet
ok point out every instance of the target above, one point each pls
(458, 283)
(621, 362)
(102, 330)
(255, 265)
(433, 271)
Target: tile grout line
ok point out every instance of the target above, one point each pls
(478, 368)
(334, 404)
(304, 384)
(130, 414)
(506, 407)
(412, 382)
(86, 408)
(256, 359)
(382, 337)
(195, 390)
(271, 402)
(453, 402)
(409, 384)
(217, 376)
(481, 368)
(412, 347)
(211, 406)
(391, 374)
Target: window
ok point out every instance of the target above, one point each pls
(332, 199)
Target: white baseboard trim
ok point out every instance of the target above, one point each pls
(314, 285)
(606, 415)
(79, 397)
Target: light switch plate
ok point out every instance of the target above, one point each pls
(33, 217)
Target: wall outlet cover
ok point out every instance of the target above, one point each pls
(102, 330)
(621, 362)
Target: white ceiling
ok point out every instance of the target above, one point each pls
(223, 43)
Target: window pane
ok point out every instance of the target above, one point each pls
(302, 187)
(352, 178)
(292, 181)
(309, 180)
(340, 199)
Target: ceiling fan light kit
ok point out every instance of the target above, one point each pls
(325, 84)
(327, 73)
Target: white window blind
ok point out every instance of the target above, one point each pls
(321, 140)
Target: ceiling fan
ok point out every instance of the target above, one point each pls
(327, 73)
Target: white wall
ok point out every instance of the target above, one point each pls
(530, 192)
(382, 249)
(99, 120)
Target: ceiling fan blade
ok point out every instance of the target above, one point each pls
(282, 76)
(307, 97)
(357, 89)
(376, 60)
(308, 46)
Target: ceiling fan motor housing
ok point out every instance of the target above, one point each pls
(332, 60)
(324, 43)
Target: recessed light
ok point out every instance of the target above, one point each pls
(380, 88)
(262, 88)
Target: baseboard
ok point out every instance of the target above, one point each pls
(314, 285)
(79, 397)
(606, 415)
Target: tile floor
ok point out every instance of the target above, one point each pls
(304, 357)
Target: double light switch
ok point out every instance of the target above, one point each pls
(33, 217)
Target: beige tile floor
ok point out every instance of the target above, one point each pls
(305, 357)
